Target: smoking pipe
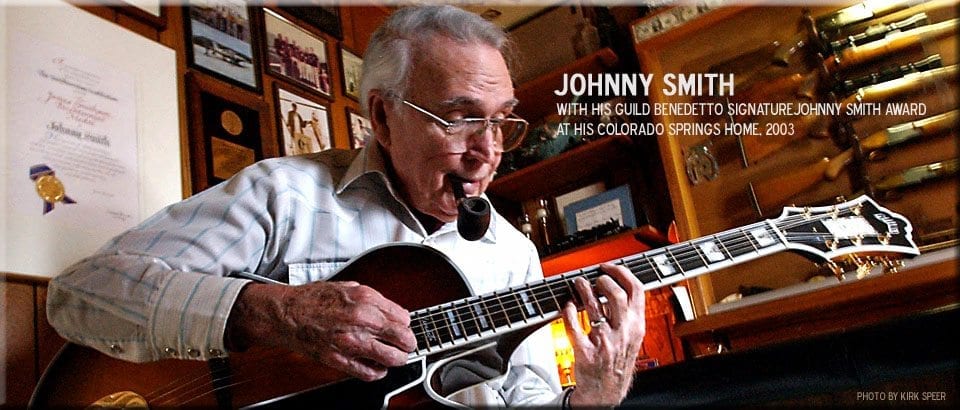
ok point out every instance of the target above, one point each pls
(473, 213)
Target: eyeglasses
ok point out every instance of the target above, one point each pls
(508, 132)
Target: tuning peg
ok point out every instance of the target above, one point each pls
(831, 244)
(892, 265)
(857, 240)
(836, 269)
(884, 238)
(856, 209)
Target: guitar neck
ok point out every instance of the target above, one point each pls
(469, 320)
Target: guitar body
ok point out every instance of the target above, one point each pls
(414, 276)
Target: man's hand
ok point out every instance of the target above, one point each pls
(344, 325)
(605, 357)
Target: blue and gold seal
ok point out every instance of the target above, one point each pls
(49, 187)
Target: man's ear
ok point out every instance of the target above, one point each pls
(378, 117)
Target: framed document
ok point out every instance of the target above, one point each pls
(296, 54)
(304, 125)
(220, 41)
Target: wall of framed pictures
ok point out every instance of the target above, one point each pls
(294, 71)
(258, 81)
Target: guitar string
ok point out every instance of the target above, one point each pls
(209, 384)
(687, 252)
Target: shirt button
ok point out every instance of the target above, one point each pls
(170, 351)
(193, 352)
(115, 348)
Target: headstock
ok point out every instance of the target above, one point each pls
(859, 232)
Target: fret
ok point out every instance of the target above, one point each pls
(737, 243)
(482, 314)
(470, 324)
(506, 316)
(763, 237)
(723, 247)
(664, 266)
(700, 253)
(514, 308)
(553, 295)
(749, 239)
(673, 259)
(455, 327)
(637, 266)
(533, 305)
(653, 266)
(444, 333)
(710, 252)
(520, 307)
(684, 262)
(430, 328)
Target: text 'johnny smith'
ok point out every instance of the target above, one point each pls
(628, 84)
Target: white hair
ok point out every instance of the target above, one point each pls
(388, 58)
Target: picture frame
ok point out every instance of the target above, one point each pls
(320, 14)
(351, 64)
(303, 125)
(147, 11)
(587, 213)
(296, 54)
(360, 128)
(224, 129)
(219, 47)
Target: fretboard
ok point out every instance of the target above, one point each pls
(476, 318)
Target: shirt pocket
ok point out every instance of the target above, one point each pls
(301, 273)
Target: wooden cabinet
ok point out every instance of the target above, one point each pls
(743, 41)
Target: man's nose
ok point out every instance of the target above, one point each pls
(484, 145)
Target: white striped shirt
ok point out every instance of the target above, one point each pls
(162, 289)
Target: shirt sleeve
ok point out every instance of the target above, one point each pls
(161, 289)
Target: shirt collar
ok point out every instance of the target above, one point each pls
(371, 161)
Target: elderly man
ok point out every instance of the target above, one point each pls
(437, 88)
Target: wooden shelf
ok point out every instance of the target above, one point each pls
(537, 97)
(592, 159)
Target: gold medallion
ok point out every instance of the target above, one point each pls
(50, 188)
(231, 122)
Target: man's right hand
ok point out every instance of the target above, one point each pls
(344, 325)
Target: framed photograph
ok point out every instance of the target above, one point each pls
(296, 54)
(318, 13)
(599, 209)
(361, 130)
(147, 11)
(220, 40)
(351, 64)
(304, 124)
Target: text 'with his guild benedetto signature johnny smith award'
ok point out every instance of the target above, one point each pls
(711, 107)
